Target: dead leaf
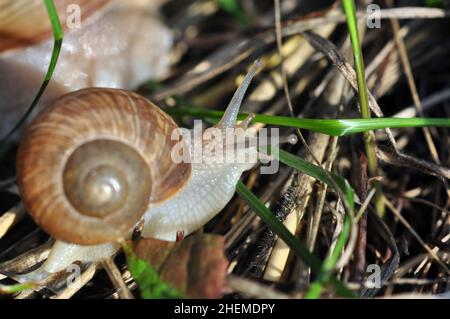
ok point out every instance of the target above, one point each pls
(196, 266)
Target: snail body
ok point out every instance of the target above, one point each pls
(64, 254)
(209, 189)
(96, 162)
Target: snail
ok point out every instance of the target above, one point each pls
(96, 162)
(107, 43)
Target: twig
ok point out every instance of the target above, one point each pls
(292, 27)
(427, 103)
(28, 259)
(411, 82)
(11, 218)
(71, 290)
(416, 235)
(254, 289)
(317, 215)
(116, 278)
(299, 198)
(389, 154)
(347, 254)
(426, 202)
(284, 76)
(233, 53)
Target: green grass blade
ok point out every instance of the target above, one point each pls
(58, 35)
(233, 7)
(329, 264)
(352, 23)
(13, 289)
(317, 172)
(266, 215)
(338, 127)
(369, 140)
(299, 249)
(434, 3)
(333, 181)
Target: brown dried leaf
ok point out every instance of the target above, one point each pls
(196, 266)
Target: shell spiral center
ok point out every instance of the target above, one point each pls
(104, 177)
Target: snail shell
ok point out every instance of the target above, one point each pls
(26, 22)
(90, 164)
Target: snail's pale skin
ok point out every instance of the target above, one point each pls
(206, 191)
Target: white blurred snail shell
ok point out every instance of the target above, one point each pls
(118, 44)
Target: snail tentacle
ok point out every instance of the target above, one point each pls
(230, 116)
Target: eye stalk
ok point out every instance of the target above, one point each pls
(230, 116)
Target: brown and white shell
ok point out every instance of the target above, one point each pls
(90, 164)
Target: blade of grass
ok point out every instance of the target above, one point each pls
(334, 181)
(266, 215)
(300, 250)
(352, 23)
(337, 127)
(13, 289)
(330, 263)
(434, 3)
(350, 13)
(58, 36)
(233, 7)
